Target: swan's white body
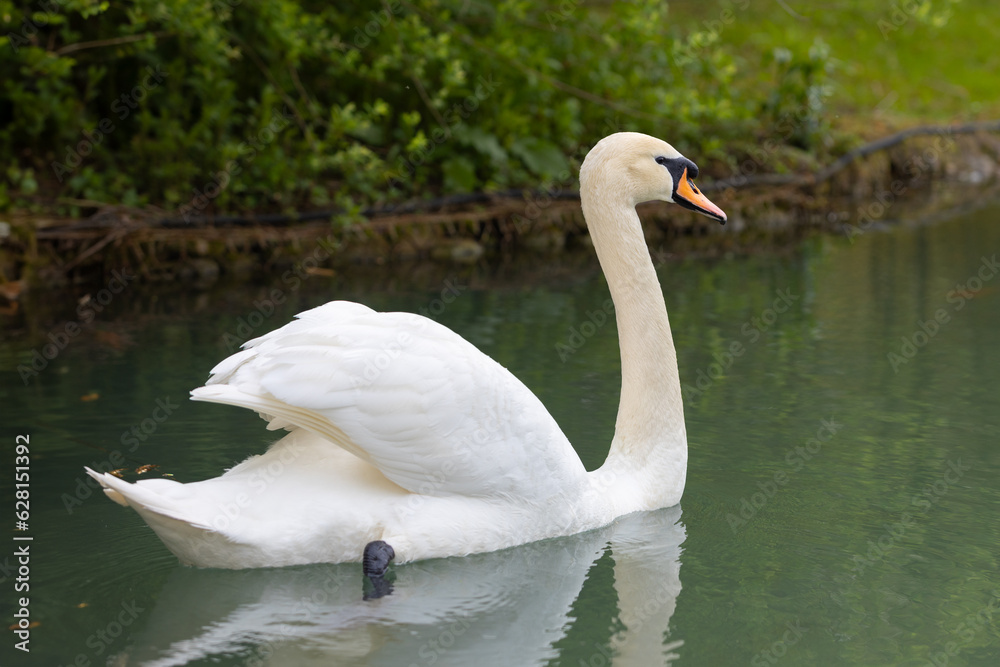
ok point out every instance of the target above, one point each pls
(402, 431)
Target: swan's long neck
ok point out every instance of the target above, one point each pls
(647, 462)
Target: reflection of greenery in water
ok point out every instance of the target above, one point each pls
(829, 549)
(807, 556)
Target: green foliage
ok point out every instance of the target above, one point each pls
(797, 105)
(898, 62)
(201, 106)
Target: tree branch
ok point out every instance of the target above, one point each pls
(96, 44)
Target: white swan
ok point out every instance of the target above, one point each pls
(402, 432)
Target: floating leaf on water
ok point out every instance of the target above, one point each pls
(118, 472)
(92, 396)
(113, 339)
(142, 470)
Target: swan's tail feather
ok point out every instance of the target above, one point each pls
(192, 540)
(142, 498)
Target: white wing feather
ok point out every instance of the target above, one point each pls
(424, 406)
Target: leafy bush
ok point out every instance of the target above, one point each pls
(227, 105)
(797, 105)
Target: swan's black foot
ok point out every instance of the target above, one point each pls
(376, 558)
(375, 561)
(377, 587)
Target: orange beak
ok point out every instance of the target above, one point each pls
(687, 194)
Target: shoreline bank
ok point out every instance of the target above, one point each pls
(929, 172)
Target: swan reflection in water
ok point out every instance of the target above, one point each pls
(502, 608)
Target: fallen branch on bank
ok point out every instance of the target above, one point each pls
(841, 163)
(478, 198)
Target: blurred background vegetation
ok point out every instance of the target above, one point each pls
(209, 106)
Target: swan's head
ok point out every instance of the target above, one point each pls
(643, 168)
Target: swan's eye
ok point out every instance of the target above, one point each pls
(661, 160)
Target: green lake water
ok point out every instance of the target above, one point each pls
(843, 412)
